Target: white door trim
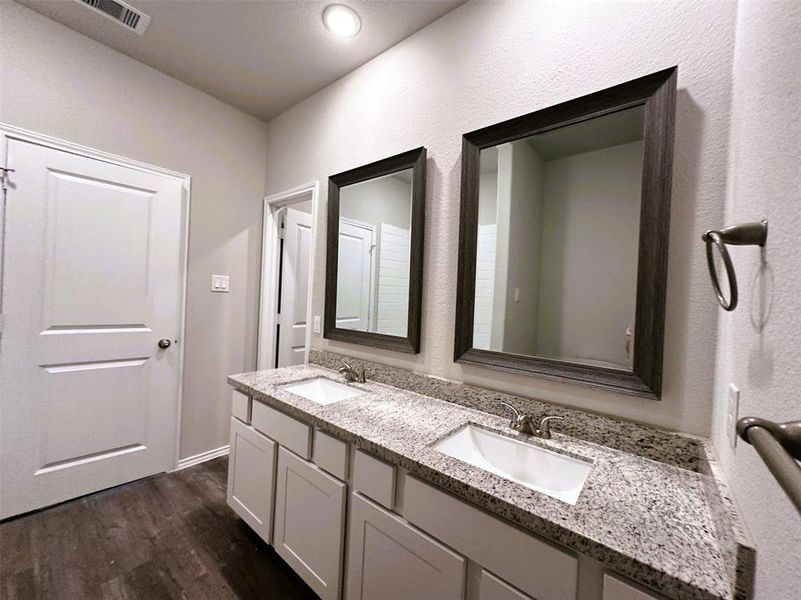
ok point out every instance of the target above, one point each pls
(269, 269)
(11, 132)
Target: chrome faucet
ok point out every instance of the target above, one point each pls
(352, 375)
(525, 423)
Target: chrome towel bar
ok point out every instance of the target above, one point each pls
(779, 446)
(745, 234)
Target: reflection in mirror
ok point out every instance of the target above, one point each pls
(558, 242)
(374, 245)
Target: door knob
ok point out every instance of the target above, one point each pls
(164, 343)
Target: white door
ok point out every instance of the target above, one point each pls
(294, 288)
(92, 282)
(354, 275)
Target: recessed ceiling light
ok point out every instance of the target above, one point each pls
(341, 20)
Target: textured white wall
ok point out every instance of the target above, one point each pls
(525, 237)
(383, 200)
(60, 83)
(489, 61)
(760, 343)
(590, 240)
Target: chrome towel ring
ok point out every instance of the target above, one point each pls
(745, 234)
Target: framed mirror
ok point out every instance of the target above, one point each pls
(564, 239)
(374, 269)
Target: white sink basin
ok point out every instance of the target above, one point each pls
(557, 475)
(322, 390)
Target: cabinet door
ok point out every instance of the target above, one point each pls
(309, 522)
(492, 588)
(392, 560)
(616, 588)
(251, 477)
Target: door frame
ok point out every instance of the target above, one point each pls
(270, 255)
(11, 132)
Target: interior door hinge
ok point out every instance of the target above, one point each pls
(4, 177)
(282, 223)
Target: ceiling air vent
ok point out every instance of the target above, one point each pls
(120, 12)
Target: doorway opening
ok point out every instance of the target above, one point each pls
(288, 248)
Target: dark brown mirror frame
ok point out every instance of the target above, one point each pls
(416, 160)
(657, 93)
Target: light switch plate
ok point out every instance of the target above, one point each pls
(220, 283)
(317, 324)
(733, 414)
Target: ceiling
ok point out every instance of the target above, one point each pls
(616, 128)
(261, 56)
(609, 130)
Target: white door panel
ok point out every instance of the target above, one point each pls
(92, 281)
(86, 254)
(120, 385)
(295, 288)
(354, 275)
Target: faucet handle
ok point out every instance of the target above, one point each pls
(515, 412)
(345, 369)
(545, 424)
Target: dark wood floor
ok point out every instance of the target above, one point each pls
(169, 536)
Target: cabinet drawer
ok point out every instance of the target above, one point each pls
(310, 523)
(251, 477)
(330, 454)
(374, 478)
(617, 589)
(389, 559)
(285, 430)
(527, 562)
(240, 406)
(492, 588)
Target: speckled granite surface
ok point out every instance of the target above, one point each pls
(736, 546)
(647, 520)
(672, 448)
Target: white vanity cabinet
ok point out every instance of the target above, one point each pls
(525, 561)
(407, 539)
(310, 522)
(389, 558)
(251, 477)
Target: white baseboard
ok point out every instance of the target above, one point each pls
(191, 461)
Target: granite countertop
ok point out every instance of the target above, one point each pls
(644, 519)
